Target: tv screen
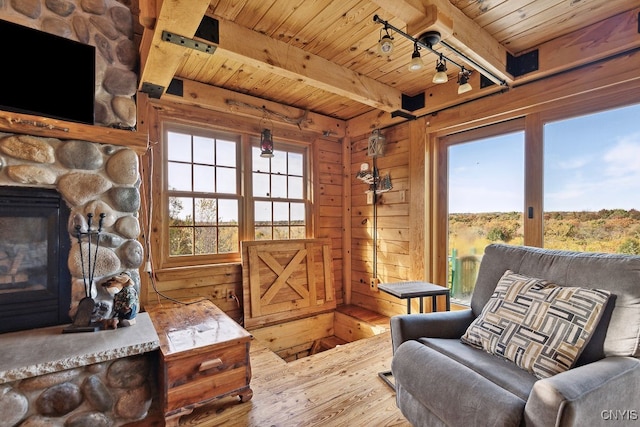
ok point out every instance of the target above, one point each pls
(46, 75)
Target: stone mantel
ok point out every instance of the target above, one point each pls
(47, 350)
(47, 127)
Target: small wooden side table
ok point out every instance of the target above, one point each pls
(204, 355)
(409, 290)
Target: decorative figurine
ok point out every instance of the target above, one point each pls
(125, 301)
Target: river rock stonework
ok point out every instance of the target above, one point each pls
(105, 24)
(97, 395)
(92, 179)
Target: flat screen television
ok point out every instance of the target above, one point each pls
(46, 75)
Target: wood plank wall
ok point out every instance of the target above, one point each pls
(214, 282)
(393, 219)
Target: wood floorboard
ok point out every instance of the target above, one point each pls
(338, 387)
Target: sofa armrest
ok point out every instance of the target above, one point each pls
(593, 394)
(441, 324)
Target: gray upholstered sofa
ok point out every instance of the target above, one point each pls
(443, 381)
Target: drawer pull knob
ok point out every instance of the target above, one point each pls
(208, 364)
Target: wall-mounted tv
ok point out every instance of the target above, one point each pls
(46, 75)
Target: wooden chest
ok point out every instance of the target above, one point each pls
(204, 356)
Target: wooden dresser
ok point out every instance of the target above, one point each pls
(204, 355)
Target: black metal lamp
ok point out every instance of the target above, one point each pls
(266, 143)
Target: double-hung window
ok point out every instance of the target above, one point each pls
(219, 191)
(203, 192)
(279, 193)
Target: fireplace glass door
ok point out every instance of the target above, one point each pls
(34, 248)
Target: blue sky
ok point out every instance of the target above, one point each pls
(591, 162)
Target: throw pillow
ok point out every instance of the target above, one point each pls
(538, 325)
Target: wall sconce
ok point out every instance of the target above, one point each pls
(376, 144)
(463, 81)
(266, 140)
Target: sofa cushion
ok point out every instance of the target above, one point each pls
(538, 325)
(451, 391)
(494, 368)
(617, 273)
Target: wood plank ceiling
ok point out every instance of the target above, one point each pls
(322, 56)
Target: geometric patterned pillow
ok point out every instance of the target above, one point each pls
(538, 325)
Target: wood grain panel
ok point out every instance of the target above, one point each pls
(286, 279)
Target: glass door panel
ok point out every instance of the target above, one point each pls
(486, 199)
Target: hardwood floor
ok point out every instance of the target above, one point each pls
(338, 387)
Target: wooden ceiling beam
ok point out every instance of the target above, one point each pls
(161, 59)
(265, 53)
(455, 27)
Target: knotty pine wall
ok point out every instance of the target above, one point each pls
(394, 217)
(188, 282)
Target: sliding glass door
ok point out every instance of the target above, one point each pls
(592, 182)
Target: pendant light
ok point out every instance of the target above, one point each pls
(441, 71)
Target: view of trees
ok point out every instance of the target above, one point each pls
(607, 230)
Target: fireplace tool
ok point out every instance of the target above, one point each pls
(82, 320)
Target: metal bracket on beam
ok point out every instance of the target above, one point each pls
(400, 113)
(183, 41)
(153, 90)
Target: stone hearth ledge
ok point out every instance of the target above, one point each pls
(43, 351)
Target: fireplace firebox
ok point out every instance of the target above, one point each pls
(35, 283)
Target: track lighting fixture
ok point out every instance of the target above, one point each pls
(427, 41)
(416, 62)
(441, 71)
(385, 44)
(463, 81)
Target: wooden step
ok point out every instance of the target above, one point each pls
(352, 323)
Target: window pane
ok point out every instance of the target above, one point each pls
(279, 162)
(261, 185)
(592, 182)
(226, 153)
(181, 210)
(295, 164)
(180, 241)
(206, 210)
(263, 233)
(297, 213)
(260, 164)
(226, 180)
(203, 178)
(295, 188)
(228, 212)
(486, 198)
(262, 212)
(229, 241)
(179, 176)
(280, 233)
(203, 150)
(178, 147)
(298, 233)
(278, 186)
(206, 240)
(281, 213)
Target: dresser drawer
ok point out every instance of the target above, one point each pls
(191, 367)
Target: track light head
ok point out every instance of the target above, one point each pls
(416, 61)
(385, 44)
(463, 81)
(441, 72)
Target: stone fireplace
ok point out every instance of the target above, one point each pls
(34, 248)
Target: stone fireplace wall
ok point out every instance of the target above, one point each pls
(92, 178)
(105, 24)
